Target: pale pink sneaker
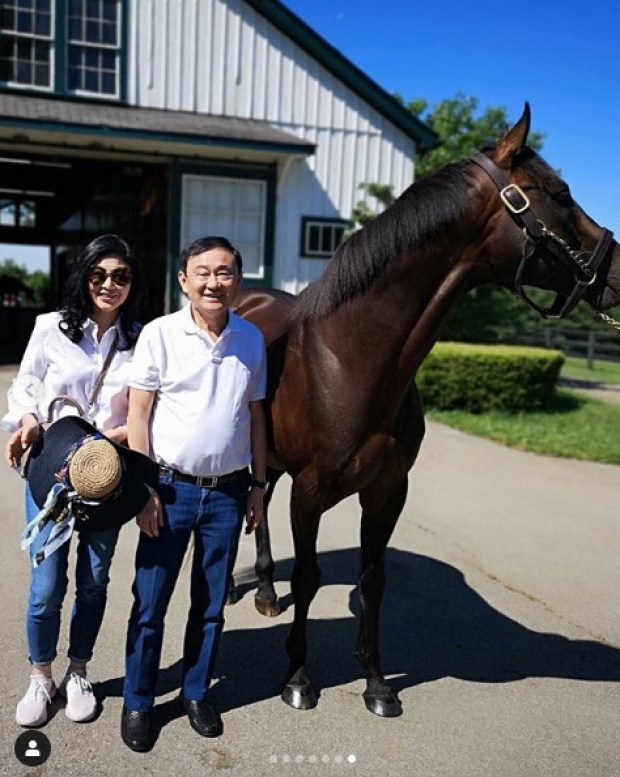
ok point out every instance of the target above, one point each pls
(32, 709)
(81, 703)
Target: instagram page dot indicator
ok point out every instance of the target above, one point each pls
(312, 759)
(273, 759)
(286, 759)
(351, 759)
(299, 759)
(325, 758)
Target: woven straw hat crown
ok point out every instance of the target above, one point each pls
(95, 469)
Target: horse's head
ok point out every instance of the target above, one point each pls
(543, 237)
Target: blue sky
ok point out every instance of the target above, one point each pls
(562, 56)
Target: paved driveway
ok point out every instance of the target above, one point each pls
(500, 633)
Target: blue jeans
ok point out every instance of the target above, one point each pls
(48, 587)
(214, 517)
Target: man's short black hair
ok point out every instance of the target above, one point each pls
(206, 244)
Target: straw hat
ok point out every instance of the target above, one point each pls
(108, 481)
(95, 469)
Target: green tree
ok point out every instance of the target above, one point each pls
(30, 287)
(462, 130)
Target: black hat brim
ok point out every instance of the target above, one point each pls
(48, 456)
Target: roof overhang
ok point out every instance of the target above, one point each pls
(27, 120)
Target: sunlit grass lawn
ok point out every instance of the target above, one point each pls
(602, 372)
(575, 427)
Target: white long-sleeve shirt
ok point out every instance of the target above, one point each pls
(54, 365)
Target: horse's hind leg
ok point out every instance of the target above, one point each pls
(305, 579)
(377, 527)
(265, 599)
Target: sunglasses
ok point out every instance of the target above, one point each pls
(120, 277)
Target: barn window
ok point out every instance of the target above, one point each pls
(321, 237)
(26, 42)
(68, 46)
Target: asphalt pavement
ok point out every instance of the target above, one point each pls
(500, 632)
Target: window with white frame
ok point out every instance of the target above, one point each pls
(83, 58)
(231, 207)
(320, 237)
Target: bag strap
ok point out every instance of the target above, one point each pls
(96, 388)
(106, 366)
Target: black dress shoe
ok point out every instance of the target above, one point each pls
(136, 729)
(202, 717)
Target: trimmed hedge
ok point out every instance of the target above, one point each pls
(476, 378)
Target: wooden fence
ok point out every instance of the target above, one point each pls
(590, 345)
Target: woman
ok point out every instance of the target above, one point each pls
(65, 355)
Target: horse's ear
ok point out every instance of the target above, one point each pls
(514, 140)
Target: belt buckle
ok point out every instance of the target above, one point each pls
(204, 482)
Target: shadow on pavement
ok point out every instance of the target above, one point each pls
(434, 625)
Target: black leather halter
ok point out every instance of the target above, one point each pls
(540, 242)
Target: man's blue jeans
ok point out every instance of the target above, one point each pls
(214, 517)
(48, 587)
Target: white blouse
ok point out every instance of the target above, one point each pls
(54, 365)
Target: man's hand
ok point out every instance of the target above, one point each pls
(151, 517)
(21, 440)
(254, 510)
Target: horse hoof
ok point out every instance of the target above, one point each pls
(232, 597)
(387, 706)
(270, 608)
(300, 697)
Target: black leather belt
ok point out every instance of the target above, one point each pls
(202, 481)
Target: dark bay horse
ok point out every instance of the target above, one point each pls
(344, 412)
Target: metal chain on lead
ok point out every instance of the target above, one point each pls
(573, 254)
(609, 320)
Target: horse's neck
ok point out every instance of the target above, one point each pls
(391, 328)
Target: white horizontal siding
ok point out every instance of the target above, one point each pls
(220, 57)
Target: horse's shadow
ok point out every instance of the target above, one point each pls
(433, 626)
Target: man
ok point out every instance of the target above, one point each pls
(196, 405)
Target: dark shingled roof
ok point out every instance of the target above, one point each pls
(36, 112)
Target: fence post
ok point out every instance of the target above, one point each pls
(591, 348)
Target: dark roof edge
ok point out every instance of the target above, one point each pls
(331, 59)
(156, 135)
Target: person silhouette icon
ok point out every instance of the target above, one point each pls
(33, 751)
(32, 748)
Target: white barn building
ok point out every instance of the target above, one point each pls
(164, 120)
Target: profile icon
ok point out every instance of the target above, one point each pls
(32, 748)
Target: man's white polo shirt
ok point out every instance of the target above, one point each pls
(201, 417)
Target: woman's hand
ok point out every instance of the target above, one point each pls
(21, 440)
(118, 434)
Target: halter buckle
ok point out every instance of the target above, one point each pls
(509, 191)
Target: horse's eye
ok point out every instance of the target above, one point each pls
(563, 197)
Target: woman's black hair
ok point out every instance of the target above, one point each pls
(77, 305)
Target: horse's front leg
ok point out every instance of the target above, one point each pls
(377, 526)
(305, 579)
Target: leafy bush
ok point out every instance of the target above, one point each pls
(477, 378)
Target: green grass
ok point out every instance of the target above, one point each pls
(575, 427)
(602, 372)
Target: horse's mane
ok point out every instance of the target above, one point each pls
(421, 213)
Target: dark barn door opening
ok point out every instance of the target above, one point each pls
(65, 202)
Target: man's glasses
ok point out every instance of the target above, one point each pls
(121, 276)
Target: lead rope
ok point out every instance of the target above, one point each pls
(609, 320)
